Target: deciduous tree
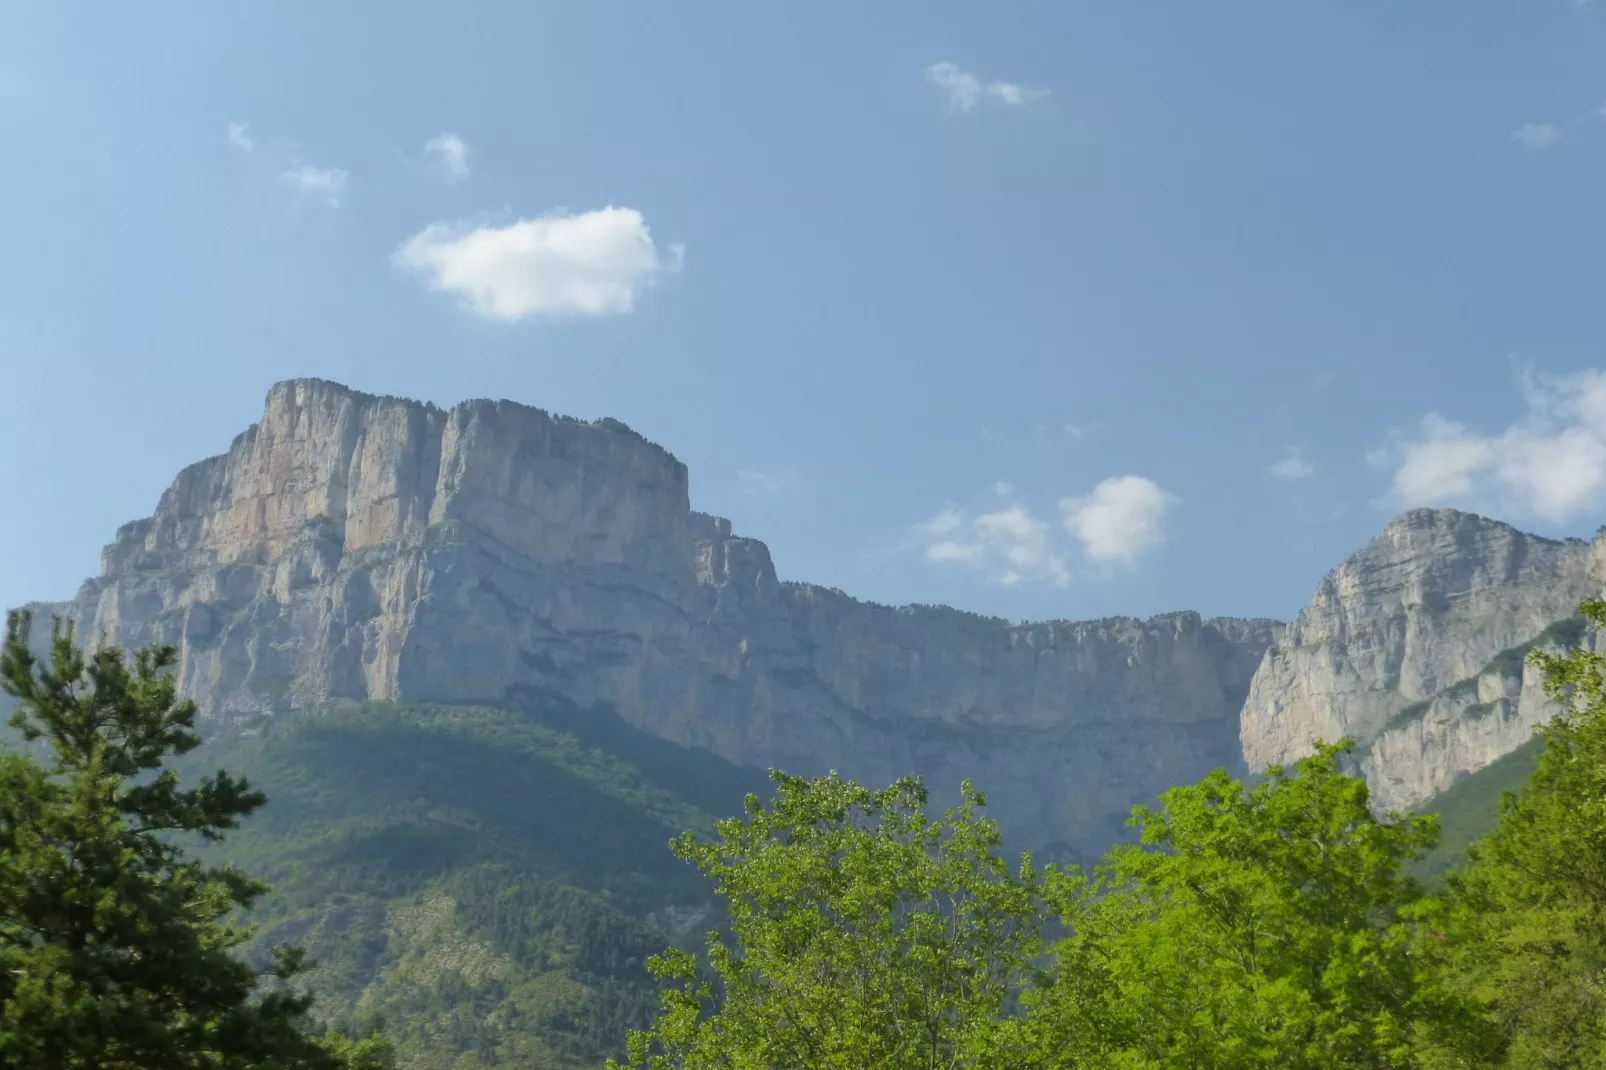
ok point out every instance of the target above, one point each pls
(1530, 941)
(1267, 927)
(862, 934)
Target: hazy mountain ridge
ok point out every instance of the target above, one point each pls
(351, 548)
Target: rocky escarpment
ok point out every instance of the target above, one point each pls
(1415, 645)
(351, 548)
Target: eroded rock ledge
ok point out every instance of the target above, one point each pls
(350, 547)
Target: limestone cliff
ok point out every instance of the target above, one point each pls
(1414, 646)
(350, 548)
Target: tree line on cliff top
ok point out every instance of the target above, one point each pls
(1273, 925)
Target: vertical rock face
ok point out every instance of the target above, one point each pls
(1413, 646)
(351, 548)
(293, 568)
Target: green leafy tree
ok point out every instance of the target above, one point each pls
(1268, 927)
(1529, 935)
(862, 935)
(116, 951)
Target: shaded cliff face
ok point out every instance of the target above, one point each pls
(1414, 647)
(351, 548)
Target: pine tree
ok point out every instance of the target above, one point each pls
(116, 950)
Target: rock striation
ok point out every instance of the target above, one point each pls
(350, 548)
(1415, 645)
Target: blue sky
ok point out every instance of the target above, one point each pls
(1042, 310)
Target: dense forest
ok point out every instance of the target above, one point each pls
(543, 886)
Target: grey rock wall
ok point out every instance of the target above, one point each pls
(1413, 646)
(350, 548)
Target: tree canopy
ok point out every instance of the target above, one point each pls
(861, 934)
(1269, 926)
(116, 949)
(1273, 925)
(1530, 904)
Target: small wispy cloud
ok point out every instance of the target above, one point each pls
(324, 184)
(757, 483)
(1041, 435)
(1066, 432)
(1293, 465)
(965, 91)
(239, 138)
(1536, 136)
(1323, 511)
(450, 155)
(591, 264)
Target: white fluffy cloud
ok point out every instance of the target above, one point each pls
(1293, 465)
(239, 138)
(1550, 464)
(592, 264)
(1536, 136)
(450, 155)
(326, 184)
(965, 91)
(1118, 521)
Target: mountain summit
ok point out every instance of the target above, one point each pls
(351, 548)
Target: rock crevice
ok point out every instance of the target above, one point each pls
(350, 548)
(1412, 647)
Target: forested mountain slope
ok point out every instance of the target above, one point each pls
(480, 880)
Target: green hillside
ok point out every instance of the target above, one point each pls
(1469, 808)
(486, 882)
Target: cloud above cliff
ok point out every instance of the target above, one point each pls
(1116, 523)
(1120, 521)
(1550, 464)
(588, 264)
(765, 485)
(1010, 545)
